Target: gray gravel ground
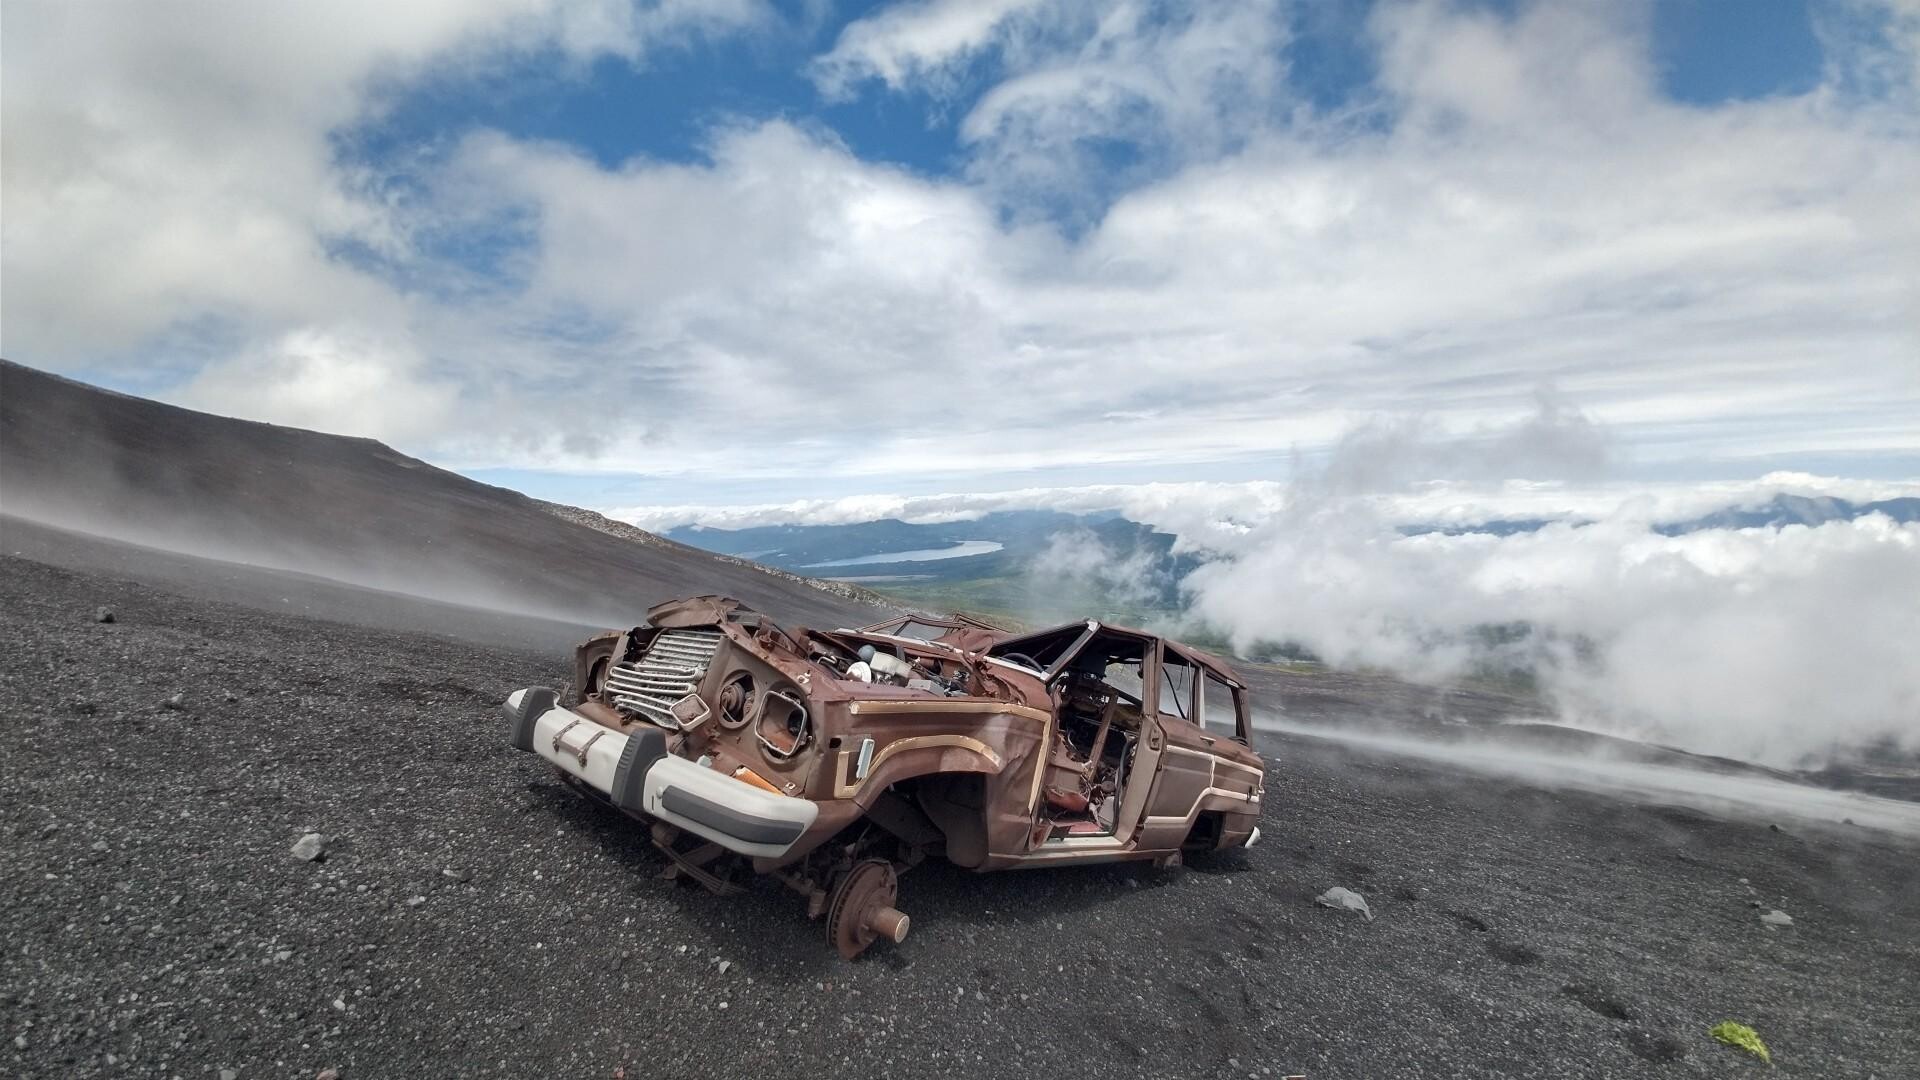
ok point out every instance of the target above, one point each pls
(471, 918)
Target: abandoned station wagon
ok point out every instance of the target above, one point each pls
(834, 759)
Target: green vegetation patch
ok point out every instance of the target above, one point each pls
(1742, 1036)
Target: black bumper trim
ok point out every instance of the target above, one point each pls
(748, 828)
(533, 705)
(644, 747)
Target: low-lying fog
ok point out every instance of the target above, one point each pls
(1752, 796)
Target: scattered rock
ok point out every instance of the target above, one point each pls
(229, 1074)
(1776, 917)
(1347, 899)
(458, 873)
(103, 614)
(328, 1074)
(311, 847)
(724, 965)
(176, 702)
(230, 697)
(416, 901)
(99, 845)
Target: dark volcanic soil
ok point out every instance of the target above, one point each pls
(473, 919)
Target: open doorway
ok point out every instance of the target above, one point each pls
(1098, 698)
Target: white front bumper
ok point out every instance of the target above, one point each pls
(733, 814)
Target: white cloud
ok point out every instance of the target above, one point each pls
(1767, 645)
(1176, 81)
(1775, 645)
(911, 43)
(1732, 284)
(351, 385)
(1196, 510)
(168, 166)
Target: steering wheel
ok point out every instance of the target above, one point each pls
(1025, 661)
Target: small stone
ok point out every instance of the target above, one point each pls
(282, 956)
(229, 1074)
(460, 874)
(103, 614)
(340, 1004)
(1776, 917)
(416, 901)
(724, 965)
(177, 701)
(19, 1042)
(230, 697)
(1346, 899)
(312, 847)
(328, 1074)
(99, 845)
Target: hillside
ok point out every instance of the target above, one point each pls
(353, 510)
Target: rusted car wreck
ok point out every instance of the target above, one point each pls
(834, 759)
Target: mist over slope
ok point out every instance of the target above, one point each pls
(80, 458)
(1749, 634)
(1770, 620)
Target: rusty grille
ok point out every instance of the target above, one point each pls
(671, 667)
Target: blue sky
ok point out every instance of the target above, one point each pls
(1706, 51)
(632, 254)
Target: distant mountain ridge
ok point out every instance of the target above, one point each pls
(1048, 558)
(1778, 512)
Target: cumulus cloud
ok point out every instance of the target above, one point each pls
(914, 43)
(170, 181)
(1498, 232)
(1518, 207)
(1776, 645)
(1768, 645)
(352, 385)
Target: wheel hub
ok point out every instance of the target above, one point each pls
(862, 910)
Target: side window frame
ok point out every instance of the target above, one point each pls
(1242, 723)
(1191, 712)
